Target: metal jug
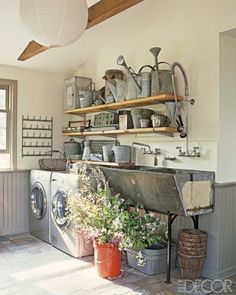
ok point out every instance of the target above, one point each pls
(88, 150)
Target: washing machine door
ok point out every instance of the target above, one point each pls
(38, 200)
(59, 211)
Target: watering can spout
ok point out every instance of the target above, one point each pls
(121, 62)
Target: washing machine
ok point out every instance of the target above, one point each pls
(63, 234)
(39, 207)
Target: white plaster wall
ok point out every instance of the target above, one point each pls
(188, 32)
(39, 94)
(227, 119)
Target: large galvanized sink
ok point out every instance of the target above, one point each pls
(175, 191)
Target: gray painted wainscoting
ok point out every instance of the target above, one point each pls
(14, 195)
(221, 228)
(220, 225)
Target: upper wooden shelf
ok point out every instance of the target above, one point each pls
(138, 102)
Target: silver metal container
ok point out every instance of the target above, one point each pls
(72, 149)
(163, 84)
(122, 153)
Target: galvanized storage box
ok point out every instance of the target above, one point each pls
(71, 91)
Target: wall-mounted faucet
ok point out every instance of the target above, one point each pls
(157, 152)
(149, 151)
(194, 154)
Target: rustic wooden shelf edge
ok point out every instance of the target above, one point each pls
(144, 101)
(110, 164)
(161, 130)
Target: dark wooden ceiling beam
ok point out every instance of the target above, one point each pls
(105, 9)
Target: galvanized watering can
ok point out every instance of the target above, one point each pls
(161, 79)
(138, 85)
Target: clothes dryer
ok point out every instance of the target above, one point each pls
(63, 235)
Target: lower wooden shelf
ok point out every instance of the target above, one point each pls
(162, 130)
(110, 164)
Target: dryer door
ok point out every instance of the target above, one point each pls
(59, 209)
(38, 200)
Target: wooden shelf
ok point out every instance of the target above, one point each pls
(110, 164)
(161, 130)
(162, 98)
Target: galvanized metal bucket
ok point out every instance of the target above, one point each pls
(107, 153)
(122, 153)
(86, 97)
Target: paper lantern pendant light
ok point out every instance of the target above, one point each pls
(54, 22)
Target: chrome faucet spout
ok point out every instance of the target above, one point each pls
(142, 145)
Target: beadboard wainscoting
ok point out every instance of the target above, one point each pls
(14, 195)
(220, 225)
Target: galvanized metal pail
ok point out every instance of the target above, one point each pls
(122, 153)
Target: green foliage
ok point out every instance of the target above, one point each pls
(140, 229)
(101, 215)
(94, 209)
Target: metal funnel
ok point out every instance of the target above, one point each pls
(155, 52)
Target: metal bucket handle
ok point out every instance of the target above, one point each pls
(146, 66)
(162, 62)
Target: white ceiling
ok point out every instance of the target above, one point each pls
(65, 59)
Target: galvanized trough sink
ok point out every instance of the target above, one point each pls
(173, 191)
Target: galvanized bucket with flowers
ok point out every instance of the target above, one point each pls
(144, 239)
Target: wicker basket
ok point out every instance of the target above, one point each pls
(191, 266)
(53, 164)
(192, 249)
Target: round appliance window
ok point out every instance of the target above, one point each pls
(59, 209)
(38, 200)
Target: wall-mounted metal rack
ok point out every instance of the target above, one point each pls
(37, 135)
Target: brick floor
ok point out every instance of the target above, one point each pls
(29, 266)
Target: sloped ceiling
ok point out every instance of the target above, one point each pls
(66, 59)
